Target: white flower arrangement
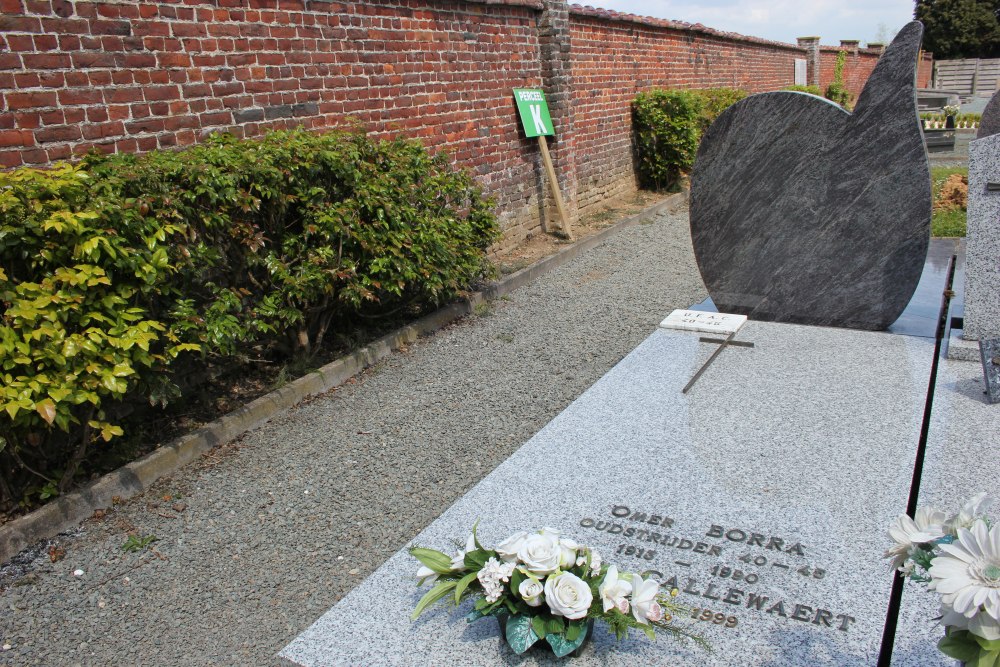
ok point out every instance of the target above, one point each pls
(951, 109)
(547, 586)
(959, 558)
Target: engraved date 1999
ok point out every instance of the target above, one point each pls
(716, 617)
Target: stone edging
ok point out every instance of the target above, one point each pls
(136, 477)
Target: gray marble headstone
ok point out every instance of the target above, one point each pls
(803, 212)
(989, 351)
(982, 250)
(990, 121)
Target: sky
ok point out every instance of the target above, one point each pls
(780, 20)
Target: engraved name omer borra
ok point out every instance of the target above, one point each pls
(650, 534)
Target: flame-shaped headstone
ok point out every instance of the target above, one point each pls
(802, 212)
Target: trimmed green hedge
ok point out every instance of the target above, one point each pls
(114, 272)
(667, 127)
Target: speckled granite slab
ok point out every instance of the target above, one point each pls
(961, 461)
(982, 250)
(803, 212)
(764, 493)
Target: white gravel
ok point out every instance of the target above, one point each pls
(273, 529)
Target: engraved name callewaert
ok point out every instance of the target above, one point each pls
(648, 535)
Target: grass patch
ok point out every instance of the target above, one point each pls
(946, 223)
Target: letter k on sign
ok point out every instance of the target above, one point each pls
(536, 117)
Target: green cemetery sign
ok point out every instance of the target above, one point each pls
(534, 112)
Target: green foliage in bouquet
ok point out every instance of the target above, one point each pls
(543, 586)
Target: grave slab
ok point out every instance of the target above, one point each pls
(786, 462)
(961, 461)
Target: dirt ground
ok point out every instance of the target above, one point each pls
(541, 245)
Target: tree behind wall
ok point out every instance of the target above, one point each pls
(960, 28)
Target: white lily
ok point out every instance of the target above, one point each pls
(644, 604)
(613, 590)
(426, 575)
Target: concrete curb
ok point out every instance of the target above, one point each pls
(136, 477)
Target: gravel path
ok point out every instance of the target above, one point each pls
(260, 537)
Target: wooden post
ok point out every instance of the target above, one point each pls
(551, 172)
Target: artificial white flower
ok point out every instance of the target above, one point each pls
(568, 556)
(595, 563)
(540, 554)
(980, 624)
(623, 606)
(613, 590)
(458, 560)
(550, 532)
(426, 575)
(906, 533)
(568, 595)
(655, 612)
(967, 573)
(508, 548)
(643, 598)
(531, 592)
(493, 575)
(966, 516)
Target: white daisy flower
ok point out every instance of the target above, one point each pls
(967, 573)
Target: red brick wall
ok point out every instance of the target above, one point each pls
(925, 70)
(857, 67)
(117, 75)
(617, 56)
(131, 76)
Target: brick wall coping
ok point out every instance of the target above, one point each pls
(531, 4)
(611, 15)
(861, 49)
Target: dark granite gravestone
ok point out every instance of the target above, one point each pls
(989, 350)
(802, 212)
(989, 123)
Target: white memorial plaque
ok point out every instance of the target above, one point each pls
(696, 320)
(800, 72)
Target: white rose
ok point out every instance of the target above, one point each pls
(508, 548)
(568, 595)
(540, 554)
(568, 556)
(531, 592)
